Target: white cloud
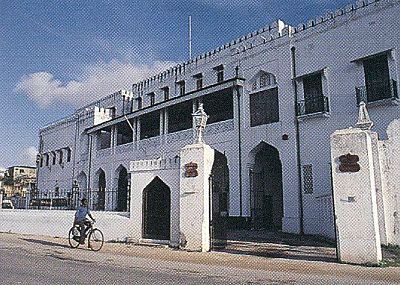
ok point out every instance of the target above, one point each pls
(96, 81)
(29, 156)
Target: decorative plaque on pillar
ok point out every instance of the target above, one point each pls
(349, 163)
(191, 169)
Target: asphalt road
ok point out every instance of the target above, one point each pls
(33, 260)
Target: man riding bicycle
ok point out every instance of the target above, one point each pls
(81, 220)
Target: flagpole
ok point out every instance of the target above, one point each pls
(190, 37)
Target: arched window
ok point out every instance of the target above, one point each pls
(263, 80)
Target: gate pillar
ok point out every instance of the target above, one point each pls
(196, 165)
(354, 189)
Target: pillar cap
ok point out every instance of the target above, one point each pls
(364, 122)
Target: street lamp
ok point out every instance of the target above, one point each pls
(200, 120)
(75, 191)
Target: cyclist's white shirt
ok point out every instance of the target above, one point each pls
(81, 212)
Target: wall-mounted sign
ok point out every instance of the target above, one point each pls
(349, 163)
(191, 169)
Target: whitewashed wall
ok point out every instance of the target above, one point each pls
(55, 223)
(142, 174)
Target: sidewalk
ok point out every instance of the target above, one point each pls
(118, 253)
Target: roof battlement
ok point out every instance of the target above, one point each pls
(125, 94)
(88, 110)
(270, 32)
(276, 30)
(154, 164)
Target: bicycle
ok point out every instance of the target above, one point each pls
(94, 235)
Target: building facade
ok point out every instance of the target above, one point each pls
(273, 98)
(18, 180)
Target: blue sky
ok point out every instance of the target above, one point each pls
(58, 55)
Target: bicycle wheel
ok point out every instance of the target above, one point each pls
(73, 240)
(96, 240)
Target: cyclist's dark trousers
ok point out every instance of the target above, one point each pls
(82, 226)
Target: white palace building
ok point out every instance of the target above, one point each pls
(273, 97)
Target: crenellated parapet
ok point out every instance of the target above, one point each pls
(357, 7)
(69, 120)
(276, 30)
(155, 164)
(101, 110)
(102, 115)
(110, 100)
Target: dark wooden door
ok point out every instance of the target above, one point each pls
(156, 210)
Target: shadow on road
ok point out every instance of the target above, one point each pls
(280, 245)
(44, 242)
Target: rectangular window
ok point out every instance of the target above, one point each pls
(104, 138)
(53, 154)
(220, 73)
(41, 161)
(220, 76)
(139, 102)
(308, 182)
(264, 107)
(180, 117)
(166, 92)
(219, 106)
(377, 78)
(124, 133)
(150, 125)
(112, 112)
(68, 154)
(181, 87)
(199, 81)
(152, 97)
(60, 159)
(314, 100)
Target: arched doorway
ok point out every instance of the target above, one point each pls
(122, 190)
(82, 182)
(156, 210)
(266, 188)
(101, 191)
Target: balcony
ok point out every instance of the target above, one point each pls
(378, 92)
(313, 107)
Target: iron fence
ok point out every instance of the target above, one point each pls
(313, 105)
(66, 199)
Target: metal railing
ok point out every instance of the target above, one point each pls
(65, 199)
(311, 106)
(377, 91)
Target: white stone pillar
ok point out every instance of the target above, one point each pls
(196, 164)
(356, 210)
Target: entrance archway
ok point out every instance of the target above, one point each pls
(122, 190)
(82, 181)
(266, 188)
(156, 210)
(101, 191)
